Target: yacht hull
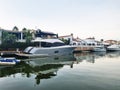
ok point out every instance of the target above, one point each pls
(59, 50)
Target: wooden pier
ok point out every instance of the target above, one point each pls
(8, 53)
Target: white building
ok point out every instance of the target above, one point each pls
(67, 37)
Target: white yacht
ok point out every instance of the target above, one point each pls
(114, 47)
(90, 44)
(49, 47)
(99, 49)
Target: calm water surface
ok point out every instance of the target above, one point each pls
(82, 71)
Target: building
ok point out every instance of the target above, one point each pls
(44, 34)
(67, 37)
(110, 42)
(21, 34)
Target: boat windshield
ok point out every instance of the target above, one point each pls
(45, 44)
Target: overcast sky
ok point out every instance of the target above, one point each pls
(83, 18)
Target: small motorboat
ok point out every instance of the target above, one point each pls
(8, 61)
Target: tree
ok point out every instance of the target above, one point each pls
(4, 34)
(15, 28)
(102, 40)
(66, 41)
(8, 38)
(28, 35)
(24, 29)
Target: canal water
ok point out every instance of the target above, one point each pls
(81, 71)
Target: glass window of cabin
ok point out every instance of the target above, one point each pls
(57, 44)
(98, 44)
(93, 44)
(74, 43)
(89, 44)
(83, 44)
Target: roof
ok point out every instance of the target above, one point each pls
(44, 32)
(111, 40)
(65, 36)
(11, 31)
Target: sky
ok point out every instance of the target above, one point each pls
(83, 18)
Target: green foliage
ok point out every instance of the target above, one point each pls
(102, 40)
(24, 29)
(65, 41)
(28, 39)
(8, 38)
(14, 46)
(28, 35)
(15, 28)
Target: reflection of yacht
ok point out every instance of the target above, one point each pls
(84, 56)
(64, 60)
(42, 68)
(89, 57)
(50, 65)
(113, 47)
(113, 54)
(27, 70)
(47, 47)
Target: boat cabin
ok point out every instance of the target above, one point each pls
(39, 42)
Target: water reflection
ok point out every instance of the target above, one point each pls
(89, 57)
(113, 54)
(66, 59)
(46, 68)
(92, 56)
(42, 68)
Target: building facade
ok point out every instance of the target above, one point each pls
(20, 35)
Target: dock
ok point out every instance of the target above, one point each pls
(20, 55)
(83, 49)
(8, 53)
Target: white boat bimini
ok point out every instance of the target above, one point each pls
(49, 47)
